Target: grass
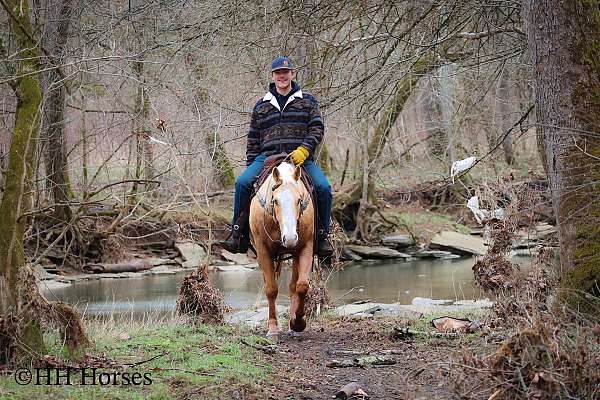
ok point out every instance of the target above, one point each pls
(424, 223)
(179, 359)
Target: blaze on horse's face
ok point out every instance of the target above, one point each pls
(286, 200)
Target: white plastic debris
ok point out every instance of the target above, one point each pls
(482, 214)
(461, 165)
(473, 205)
(152, 139)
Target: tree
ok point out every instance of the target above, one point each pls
(22, 308)
(18, 176)
(53, 129)
(564, 37)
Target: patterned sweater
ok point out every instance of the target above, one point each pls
(274, 130)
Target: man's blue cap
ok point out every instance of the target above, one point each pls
(281, 62)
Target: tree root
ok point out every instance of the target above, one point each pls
(31, 310)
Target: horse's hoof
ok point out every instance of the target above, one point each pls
(294, 333)
(297, 325)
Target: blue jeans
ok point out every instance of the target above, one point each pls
(244, 189)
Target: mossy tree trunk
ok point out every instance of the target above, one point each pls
(53, 127)
(222, 166)
(18, 177)
(436, 137)
(143, 151)
(564, 37)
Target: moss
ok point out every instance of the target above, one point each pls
(184, 360)
(579, 207)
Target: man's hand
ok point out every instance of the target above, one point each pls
(299, 155)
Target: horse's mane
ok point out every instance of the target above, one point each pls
(286, 172)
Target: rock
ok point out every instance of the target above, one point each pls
(539, 235)
(240, 259)
(528, 252)
(396, 310)
(255, 318)
(375, 360)
(126, 266)
(441, 254)
(192, 253)
(422, 301)
(351, 309)
(465, 244)
(52, 285)
(162, 270)
(156, 261)
(398, 241)
(376, 252)
(482, 303)
(219, 263)
(348, 254)
(232, 268)
(41, 273)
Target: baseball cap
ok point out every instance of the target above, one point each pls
(281, 62)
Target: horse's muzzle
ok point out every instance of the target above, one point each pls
(290, 240)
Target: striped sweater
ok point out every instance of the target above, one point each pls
(274, 131)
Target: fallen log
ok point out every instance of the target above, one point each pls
(134, 266)
(349, 390)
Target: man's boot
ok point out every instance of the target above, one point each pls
(324, 248)
(237, 241)
(239, 237)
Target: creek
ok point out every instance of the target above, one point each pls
(384, 282)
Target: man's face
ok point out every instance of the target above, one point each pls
(282, 78)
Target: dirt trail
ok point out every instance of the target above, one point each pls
(301, 371)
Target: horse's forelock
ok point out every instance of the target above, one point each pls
(286, 172)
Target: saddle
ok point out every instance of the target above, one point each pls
(273, 161)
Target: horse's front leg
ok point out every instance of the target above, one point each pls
(300, 284)
(271, 289)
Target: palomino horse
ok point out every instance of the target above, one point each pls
(282, 222)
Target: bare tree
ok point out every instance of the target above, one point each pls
(53, 137)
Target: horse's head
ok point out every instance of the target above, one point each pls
(288, 200)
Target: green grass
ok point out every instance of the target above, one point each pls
(180, 359)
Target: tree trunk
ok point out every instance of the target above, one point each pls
(18, 177)
(564, 38)
(446, 79)
(436, 137)
(140, 129)
(53, 129)
(84, 147)
(503, 98)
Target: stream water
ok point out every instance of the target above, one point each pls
(385, 282)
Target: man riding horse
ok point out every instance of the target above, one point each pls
(285, 120)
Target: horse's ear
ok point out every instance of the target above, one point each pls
(297, 172)
(276, 175)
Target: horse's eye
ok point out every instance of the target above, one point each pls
(275, 201)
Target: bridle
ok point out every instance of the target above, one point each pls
(304, 200)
